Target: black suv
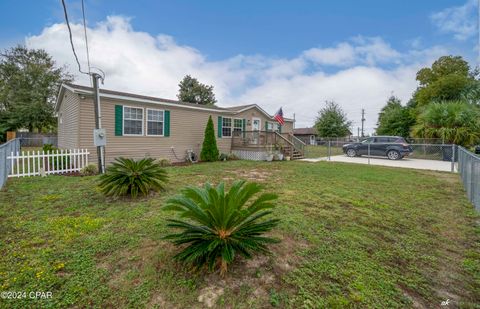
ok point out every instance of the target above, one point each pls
(393, 147)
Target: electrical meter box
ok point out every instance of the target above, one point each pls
(99, 137)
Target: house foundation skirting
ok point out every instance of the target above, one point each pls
(254, 155)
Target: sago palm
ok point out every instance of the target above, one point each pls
(131, 177)
(221, 224)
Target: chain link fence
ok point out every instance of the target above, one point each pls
(5, 151)
(427, 149)
(469, 169)
(37, 142)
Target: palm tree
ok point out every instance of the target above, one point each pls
(455, 122)
(130, 177)
(220, 225)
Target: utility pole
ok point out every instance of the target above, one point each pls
(358, 132)
(98, 120)
(363, 120)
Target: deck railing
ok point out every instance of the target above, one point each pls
(298, 144)
(267, 140)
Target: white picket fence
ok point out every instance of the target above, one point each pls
(34, 163)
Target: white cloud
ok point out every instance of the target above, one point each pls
(138, 62)
(458, 20)
(341, 55)
(361, 50)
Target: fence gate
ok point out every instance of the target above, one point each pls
(33, 163)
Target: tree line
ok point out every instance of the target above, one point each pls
(445, 105)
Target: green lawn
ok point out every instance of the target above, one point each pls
(321, 151)
(352, 236)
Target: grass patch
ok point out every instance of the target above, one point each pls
(321, 151)
(352, 236)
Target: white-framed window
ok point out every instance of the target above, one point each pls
(226, 127)
(277, 127)
(132, 120)
(237, 125)
(155, 122)
(269, 126)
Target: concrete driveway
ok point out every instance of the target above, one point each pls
(434, 165)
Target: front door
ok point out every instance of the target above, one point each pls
(256, 125)
(312, 140)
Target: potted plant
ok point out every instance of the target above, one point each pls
(278, 152)
(270, 154)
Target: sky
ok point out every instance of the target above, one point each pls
(275, 53)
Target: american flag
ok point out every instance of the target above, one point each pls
(279, 117)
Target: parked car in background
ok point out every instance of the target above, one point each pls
(393, 147)
(477, 149)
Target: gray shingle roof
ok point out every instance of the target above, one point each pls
(305, 131)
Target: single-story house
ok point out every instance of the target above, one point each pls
(140, 126)
(307, 135)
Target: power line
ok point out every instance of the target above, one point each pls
(71, 38)
(85, 33)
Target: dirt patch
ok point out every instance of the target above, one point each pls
(260, 274)
(157, 301)
(417, 301)
(209, 295)
(258, 175)
(127, 260)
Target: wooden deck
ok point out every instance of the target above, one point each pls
(269, 141)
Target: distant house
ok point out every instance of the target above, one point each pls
(138, 126)
(307, 135)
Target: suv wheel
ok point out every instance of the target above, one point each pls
(394, 155)
(351, 152)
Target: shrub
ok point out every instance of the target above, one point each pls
(56, 160)
(48, 147)
(221, 225)
(89, 170)
(223, 157)
(209, 148)
(232, 156)
(131, 177)
(455, 122)
(164, 162)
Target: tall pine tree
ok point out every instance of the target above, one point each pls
(209, 148)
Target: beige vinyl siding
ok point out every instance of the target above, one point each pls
(68, 121)
(288, 127)
(256, 113)
(187, 127)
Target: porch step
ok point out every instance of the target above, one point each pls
(296, 154)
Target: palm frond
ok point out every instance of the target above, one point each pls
(220, 224)
(130, 177)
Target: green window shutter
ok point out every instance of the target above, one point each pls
(244, 124)
(166, 130)
(266, 125)
(279, 128)
(118, 120)
(219, 127)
